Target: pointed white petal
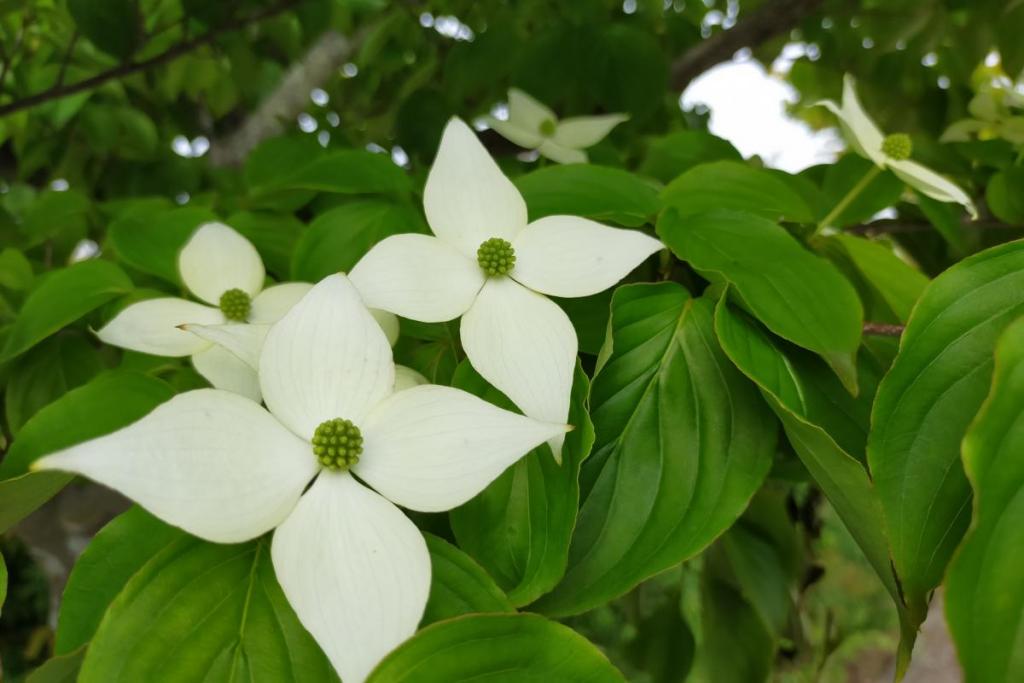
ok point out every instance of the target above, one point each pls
(224, 370)
(930, 183)
(418, 277)
(432, 448)
(570, 256)
(563, 155)
(217, 259)
(861, 131)
(243, 340)
(151, 326)
(528, 138)
(523, 344)
(407, 378)
(355, 570)
(326, 358)
(211, 462)
(389, 324)
(527, 112)
(272, 303)
(467, 198)
(581, 132)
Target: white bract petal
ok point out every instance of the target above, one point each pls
(467, 198)
(527, 112)
(152, 326)
(562, 154)
(581, 132)
(569, 256)
(272, 303)
(418, 277)
(211, 462)
(523, 344)
(389, 324)
(355, 570)
(432, 448)
(864, 134)
(224, 370)
(930, 183)
(327, 358)
(216, 259)
(243, 340)
(407, 378)
(512, 131)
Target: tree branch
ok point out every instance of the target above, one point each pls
(882, 329)
(769, 20)
(128, 68)
(891, 226)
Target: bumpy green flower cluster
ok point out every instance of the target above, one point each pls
(897, 146)
(337, 444)
(496, 256)
(235, 305)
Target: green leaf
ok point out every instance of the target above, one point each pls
(672, 154)
(735, 185)
(338, 238)
(736, 645)
(112, 25)
(15, 270)
(3, 582)
(458, 585)
(273, 234)
(61, 299)
(664, 644)
(58, 216)
(925, 404)
(985, 582)
(1004, 197)
(150, 242)
(114, 555)
(347, 172)
(203, 611)
(683, 442)
(946, 218)
(597, 192)
(883, 191)
(520, 526)
(498, 648)
(61, 669)
(21, 496)
(883, 275)
(799, 296)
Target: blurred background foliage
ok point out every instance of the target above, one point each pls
(309, 125)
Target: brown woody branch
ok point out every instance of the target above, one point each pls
(882, 329)
(128, 68)
(895, 226)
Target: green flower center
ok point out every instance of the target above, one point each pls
(897, 146)
(547, 127)
(496, 256)
(337, 444)
(235, 305)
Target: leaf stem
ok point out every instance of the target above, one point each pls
(849, 197)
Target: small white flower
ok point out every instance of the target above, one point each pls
(486, 262)
(532, 125)
(892, 151)
(354, 568)
(222, 268)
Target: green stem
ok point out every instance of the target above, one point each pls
(849, 197)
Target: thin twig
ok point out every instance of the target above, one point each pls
(892, 226)
(133, 67)
(882, 329)
(67, 59)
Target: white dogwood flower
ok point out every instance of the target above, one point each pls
(222, 268)
(891, 151)
(354, 568)
(532, 125)
(486, 262)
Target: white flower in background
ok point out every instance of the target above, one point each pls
(486, 262)
(354, 568)
(222, 268)
(891, 151)
(532, 125)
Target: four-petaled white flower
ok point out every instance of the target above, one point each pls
(491, 267)
(222, 268)
(892, 151)
(532, 125)
(354, 568)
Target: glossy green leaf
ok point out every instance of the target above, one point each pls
(1004, 196)
(520, 526)
(672, 154)
(274, 236)
(799, 296)
(683, 442)
(883, 276)
(664, 646)
(736, 645)
(113, 556)
(112, 25)
(20, 496)
(735, 185)
(60, 669)
(338, 238)
(596, 192)
(150, 242)
(346, 172)
(61, 299)
(925, 404)
(15, 270)
(985, 582)
(3, 583)
(883, 191)
(497, 648)
(248, 630)
(458, 585)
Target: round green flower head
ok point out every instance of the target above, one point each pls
(547, 128)
(496, 256)
(235, 305)
(897, 146)
(337, 444)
